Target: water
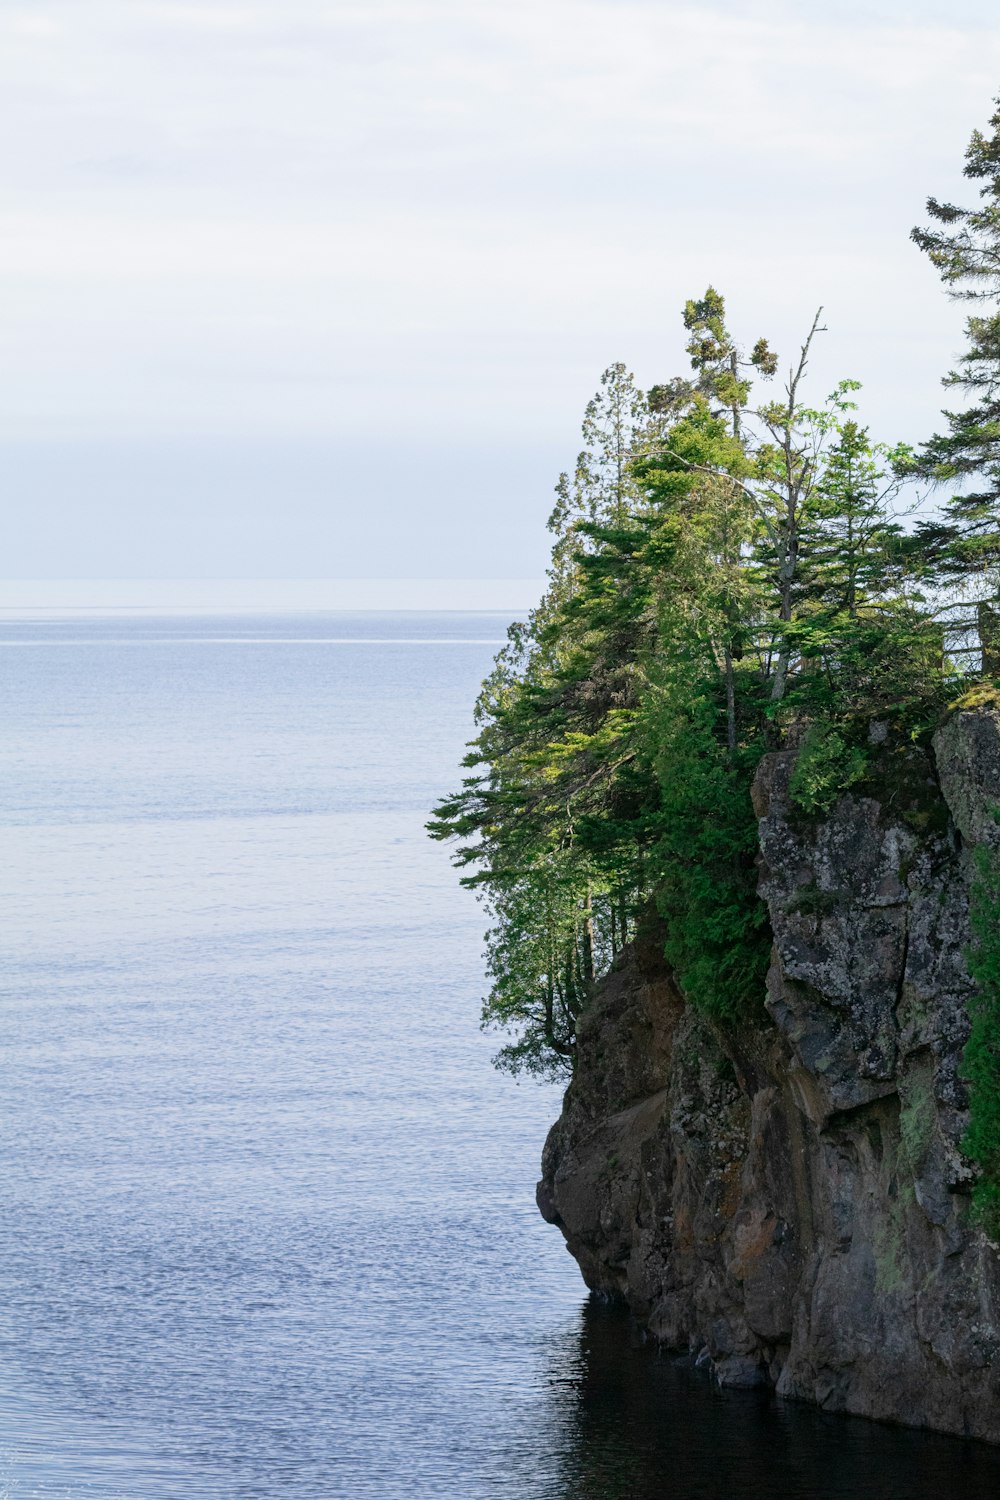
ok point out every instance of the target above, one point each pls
(266, 1212)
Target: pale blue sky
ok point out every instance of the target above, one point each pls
(319, 289)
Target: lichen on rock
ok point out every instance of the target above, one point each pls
(786, 1199)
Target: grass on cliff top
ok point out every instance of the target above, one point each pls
(982, 697)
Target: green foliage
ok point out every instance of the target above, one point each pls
(717, 936)
(553, 819)
(982, 1053)
(811, 901)
(731, 574)
(981, 696)
(963, 244)
(540, 968)
(825, 766)
(917, 1118)
(725, 571)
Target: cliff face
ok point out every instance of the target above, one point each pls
(787, 1200)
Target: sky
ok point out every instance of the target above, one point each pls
(320, 289)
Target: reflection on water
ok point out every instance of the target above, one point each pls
(631, 1424)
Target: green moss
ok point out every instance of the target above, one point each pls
(810, 901)
(900, 777)
(984, 695)
(917, 1118)
(889, 1244)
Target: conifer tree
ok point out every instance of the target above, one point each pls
(722, 372)
(721, 571)
(867, 645)
(964, 245)
(788, 465)
(601, 489)
(721, 500)
(852, 532)
(550, 818)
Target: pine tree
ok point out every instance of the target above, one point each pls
(722, 371)
(601, 489)
(720, 571)
(788, 465)
(721, 501)
(853, 536)
(550, 818)
(867, 645)
(963, 546)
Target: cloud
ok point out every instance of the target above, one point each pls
(386, 219)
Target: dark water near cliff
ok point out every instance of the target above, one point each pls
(266, 1212)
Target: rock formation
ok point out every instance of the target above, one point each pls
(786, 1198)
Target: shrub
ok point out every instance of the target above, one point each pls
(825, 767)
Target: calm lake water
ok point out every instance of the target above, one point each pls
(267, 1212)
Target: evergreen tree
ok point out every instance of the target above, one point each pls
(722, 570)
(722, 372)
(788, 464)
(550, 821)
(721, 500)
(853, 536)
(601, 489)
(864, 642)
(963, 545)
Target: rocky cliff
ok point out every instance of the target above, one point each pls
(786, 1199)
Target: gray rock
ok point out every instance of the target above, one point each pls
(967, 752)
(789, 1201)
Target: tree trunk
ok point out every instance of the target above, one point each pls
(588, 940)
(730, 703)
(988, 626)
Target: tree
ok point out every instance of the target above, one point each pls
(865, 642)
(601, 489)
(720, 392)
(962, 547)
(721, 369)
(787, 470)
(550, 820)
(853, 541)
(722, 570)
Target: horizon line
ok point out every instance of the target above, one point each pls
(92, 597)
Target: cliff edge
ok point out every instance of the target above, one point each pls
(786, 1199)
